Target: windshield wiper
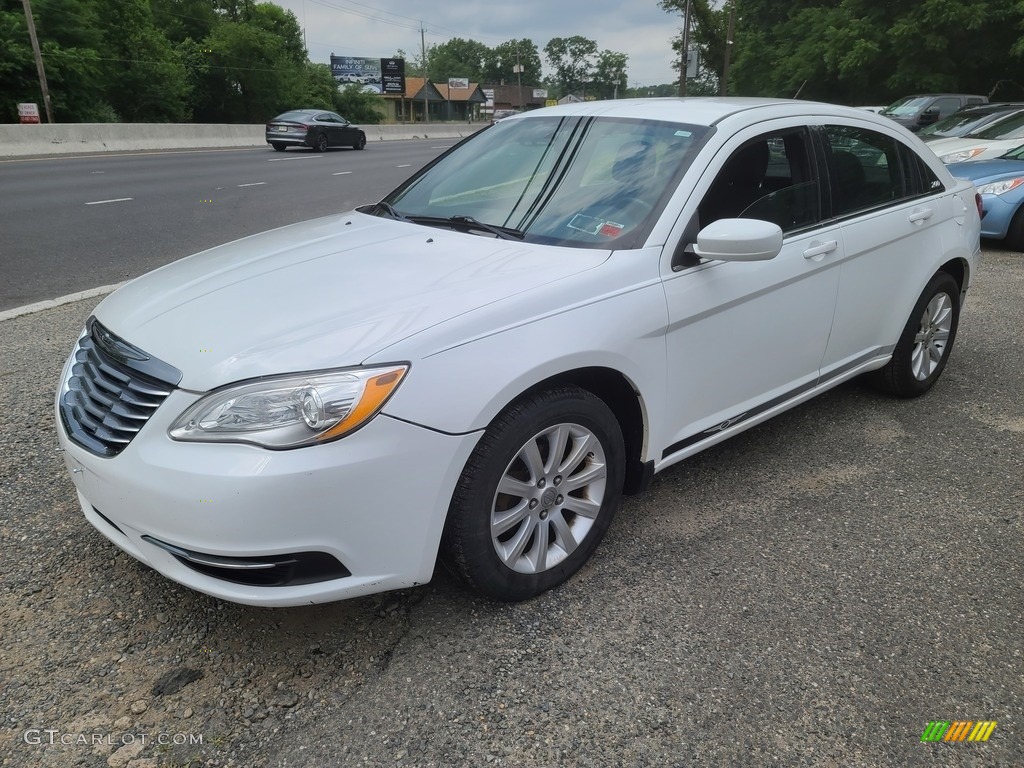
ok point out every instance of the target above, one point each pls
(390, 211)
(463, 222)
(468, 223)
(505, 233)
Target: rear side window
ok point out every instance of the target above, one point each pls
(864, 169)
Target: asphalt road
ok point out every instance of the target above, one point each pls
(813, 592)
(69, 224)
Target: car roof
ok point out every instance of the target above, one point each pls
(700, 110)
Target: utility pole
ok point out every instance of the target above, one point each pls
(724, 90)
(685, 55)
(426, 80)
(39, 60)
(519, 74)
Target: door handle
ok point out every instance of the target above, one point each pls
(817, 250)
(921, 214)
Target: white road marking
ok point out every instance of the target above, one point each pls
(39, 306)
(403, 166)
(341, 173)
(301, 157)
(115, 200)
(254, 184)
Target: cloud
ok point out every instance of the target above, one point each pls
(638, 28)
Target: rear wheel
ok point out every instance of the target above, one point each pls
(924, 347)
(537, 494)
(279, 146)
(320, 143)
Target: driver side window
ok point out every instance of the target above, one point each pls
(770, 178)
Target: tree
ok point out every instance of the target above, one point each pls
(146, 81)
(501, 61)
(572, 58)
(359, 105)
(610, 75)
(257, 69)
(458, 58)
(872, 51)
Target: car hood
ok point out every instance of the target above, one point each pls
(984, 171)
(325, 293)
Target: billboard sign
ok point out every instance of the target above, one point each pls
(355, 69)
(458, 83)
(392, 76)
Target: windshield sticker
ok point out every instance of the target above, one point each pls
(586, 224)
(684, 134)
(591, 226)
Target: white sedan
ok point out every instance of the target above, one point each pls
(480, 364)
(991, 141)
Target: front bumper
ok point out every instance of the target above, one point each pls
(998, 215)
(375, 502)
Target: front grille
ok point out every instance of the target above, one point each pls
(112, 389)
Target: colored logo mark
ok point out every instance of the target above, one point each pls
(958, 730)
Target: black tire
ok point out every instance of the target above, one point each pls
(320, 143)
(279, 146)
(924, 347)
(360, 143)
(1015, 232)
(557, 519)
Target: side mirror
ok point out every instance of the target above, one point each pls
(739, 240)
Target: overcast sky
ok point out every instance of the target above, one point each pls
(379, 28)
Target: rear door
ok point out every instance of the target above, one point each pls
(891, 209)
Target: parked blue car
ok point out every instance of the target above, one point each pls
(1001, 184)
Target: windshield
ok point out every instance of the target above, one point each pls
(961, 123)
(1017, 153)
(909, 105)
(1011, 127)
(577, 181)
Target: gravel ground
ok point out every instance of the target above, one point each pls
(813, 592)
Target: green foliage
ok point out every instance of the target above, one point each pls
(457, 58)
(609, 78)
(500, 63)
(573, 60)
(358, 105)
(860, 51)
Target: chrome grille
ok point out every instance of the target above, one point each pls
(111, 390)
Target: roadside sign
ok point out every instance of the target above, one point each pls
(28, 113)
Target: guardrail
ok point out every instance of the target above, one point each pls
(79, 138)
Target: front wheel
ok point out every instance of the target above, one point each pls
(537, 494)
(360, 142)
(924, 347)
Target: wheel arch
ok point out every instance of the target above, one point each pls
(959, 270)
(625, 403)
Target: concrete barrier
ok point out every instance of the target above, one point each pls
(82, 138)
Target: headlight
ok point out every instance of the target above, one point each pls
(1000, 187)
(289, 411)
(963, 155)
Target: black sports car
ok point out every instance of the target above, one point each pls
(313, 128)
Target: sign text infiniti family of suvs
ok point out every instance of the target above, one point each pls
(480, 364)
